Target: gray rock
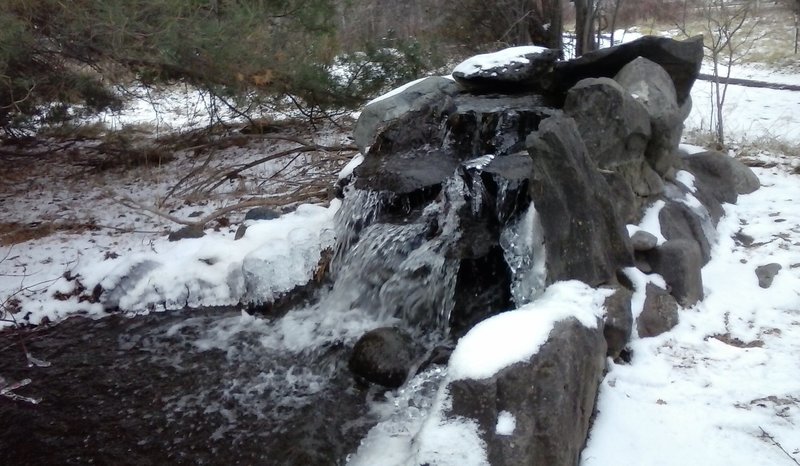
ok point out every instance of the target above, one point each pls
(714, 174)
(187, 232)
(643, 241)
(616, 131)
(261, 213)
(651, 85)
(679, 222)
(511, 77)
(679, 262)
(383, 356)
(240, 232)
(618, 323)
(680, 59)
(767, 273)
(723, 175)
(659, 314)
(429, 94)
(551, 396)
(585, 237)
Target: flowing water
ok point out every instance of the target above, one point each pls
(221, 386)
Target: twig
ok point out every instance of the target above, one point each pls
(777, 444)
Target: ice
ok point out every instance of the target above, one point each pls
(524, 252)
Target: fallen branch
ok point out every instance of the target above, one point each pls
(765, 434)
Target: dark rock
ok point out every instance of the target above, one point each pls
(240, 232)
(643, 241)
(680, 59)
(424, 96)
(723, 176)
(483, 288)
(585, 237)
(616, 130)
(624, 198)
(652, 87)
(767, 273)
(261, 213)
(659, 313)
(714, 174)
(511, 76)
(190, 231)
(196, 214)
(551, 396)
(383, 356)
(679, 262)
(618, 323)
(679, 222)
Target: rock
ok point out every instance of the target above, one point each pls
(585, 237)
(616, 130)
(714, 174)
(618, 323)
(551, 397)
(622, 193)
(240, 232)
(643, 241)
(767, 273)
(261, 213)
(426, 95)
(652, 87)
(679, 222)
(383, 356)
(723, 176)
(190, 231)
(679, 262)
(510, 70)
(680, 59)
(659, 313)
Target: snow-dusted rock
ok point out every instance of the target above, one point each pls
(427, 94)
(659, 313)
(550, 396)
(508, 70)
(618, 322)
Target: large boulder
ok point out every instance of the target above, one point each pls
(679, 222)
(722, 176)
(551, 398)
(680, 59)
(650, 84)
(615, 129)
(427, 94)
(680, 263)
(511, 70)
(585, 237)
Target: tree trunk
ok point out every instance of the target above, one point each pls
(584, 27)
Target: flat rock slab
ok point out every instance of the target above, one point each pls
(507, 70)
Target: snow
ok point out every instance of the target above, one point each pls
(515, 336)
(394, 91)
(720, 388)
(714, 388)
(650, 222)
(499, 59)
(506, 423)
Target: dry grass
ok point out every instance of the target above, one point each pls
(16, 233)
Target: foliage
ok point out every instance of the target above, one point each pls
(59, 57)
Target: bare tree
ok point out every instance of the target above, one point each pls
(585, 11)
(730, 31)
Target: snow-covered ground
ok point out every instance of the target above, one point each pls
(722, 388)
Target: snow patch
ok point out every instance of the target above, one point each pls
(502, 58)
(506, 423)
(515, 336)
